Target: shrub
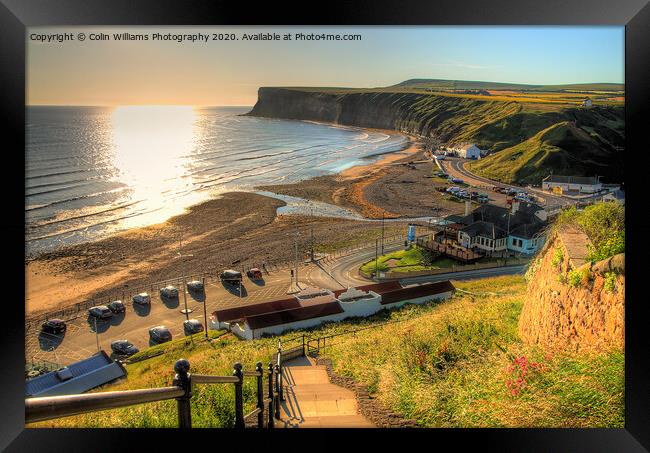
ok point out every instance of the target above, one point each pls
(578, 277)
(558, 257)
(610, 282)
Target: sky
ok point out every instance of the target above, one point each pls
(110, 72)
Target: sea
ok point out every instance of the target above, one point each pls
(94, 171)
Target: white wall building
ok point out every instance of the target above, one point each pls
(467, 151)
(315, 307)
(582, 184)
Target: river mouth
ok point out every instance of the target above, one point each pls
(304, 207)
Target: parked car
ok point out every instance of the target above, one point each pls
(117, 306)
(474, 194)
(254, 274)
(142, 299)
(231, 276)
(123, 348)
(169, 292)
(100, 312)
(482, 198)
(54, 326)
(457, 181)
(196, 286)
(192, 326)
(160, 334)
(453, 189)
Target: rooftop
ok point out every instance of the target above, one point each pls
(586, 180)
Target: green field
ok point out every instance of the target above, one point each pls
(409, 260)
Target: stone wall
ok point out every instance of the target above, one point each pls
(562, 312)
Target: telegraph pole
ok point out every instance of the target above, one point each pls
(377, 259)
(296, 257)
(184, 282)
(382, 232)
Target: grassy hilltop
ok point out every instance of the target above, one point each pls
(532, 130)
(456, 363)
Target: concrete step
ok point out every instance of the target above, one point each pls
(342, 421)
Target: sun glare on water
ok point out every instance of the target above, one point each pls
(151, 149)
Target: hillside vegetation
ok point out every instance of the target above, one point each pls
(455, 363)
(530, 133)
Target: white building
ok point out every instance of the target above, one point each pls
(316, 306)
(587, 103)
(467, 151)
(562, 184)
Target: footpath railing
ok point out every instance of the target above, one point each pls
(267, 409)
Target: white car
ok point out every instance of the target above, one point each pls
(169, 292)
(142, 299)
(453, 189)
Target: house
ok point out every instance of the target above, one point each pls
(562, 184)
(587, 103)
(315, 306)
(467, 151)
(491, 229)
(76, 378)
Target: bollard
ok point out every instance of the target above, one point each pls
(239, 395)
(183, 379)
(271, 421)
(260, 394)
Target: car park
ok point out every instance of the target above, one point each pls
(117, 306)
(142, 299)
(160, 334)
(231, 276)
(100, 312)
(169, 292)
(123, 348)
(195, 286)
(54, 326)
(254, 274)
(192, 326)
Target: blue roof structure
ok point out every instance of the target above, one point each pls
(77, 377)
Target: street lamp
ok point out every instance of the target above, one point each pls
(185, 311)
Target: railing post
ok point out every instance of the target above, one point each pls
(183, 379)
(260, 394)
(279, 366)
(271, 423)
(277, 392)
(239, 395)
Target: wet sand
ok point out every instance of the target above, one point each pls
(238, 228)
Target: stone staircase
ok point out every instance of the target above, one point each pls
(312, 401)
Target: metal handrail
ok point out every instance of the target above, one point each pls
(46, 408)
(208, 379)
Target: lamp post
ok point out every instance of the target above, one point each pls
(185, 311)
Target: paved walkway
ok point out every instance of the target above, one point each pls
(311, 401)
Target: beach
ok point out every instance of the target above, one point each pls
(237, 229)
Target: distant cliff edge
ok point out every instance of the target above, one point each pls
(494, 125)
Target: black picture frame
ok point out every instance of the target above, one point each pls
(16, 15)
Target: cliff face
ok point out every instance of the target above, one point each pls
(592, 147)
(571, 304)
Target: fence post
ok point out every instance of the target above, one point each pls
(271, 423)
(277, 390)
(279, 365)
(239, 395)
(260, 394)
(183, 379)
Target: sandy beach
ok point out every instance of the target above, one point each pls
(237, 227)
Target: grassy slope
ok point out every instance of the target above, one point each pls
(443, 364)
(496, 123)
(407, 260)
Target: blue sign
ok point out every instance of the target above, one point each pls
(411, 233)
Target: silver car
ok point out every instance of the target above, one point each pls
(142, 299)
(195, 285)
(169, 292)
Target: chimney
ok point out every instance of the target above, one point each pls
(468, 207)
(515, 206)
